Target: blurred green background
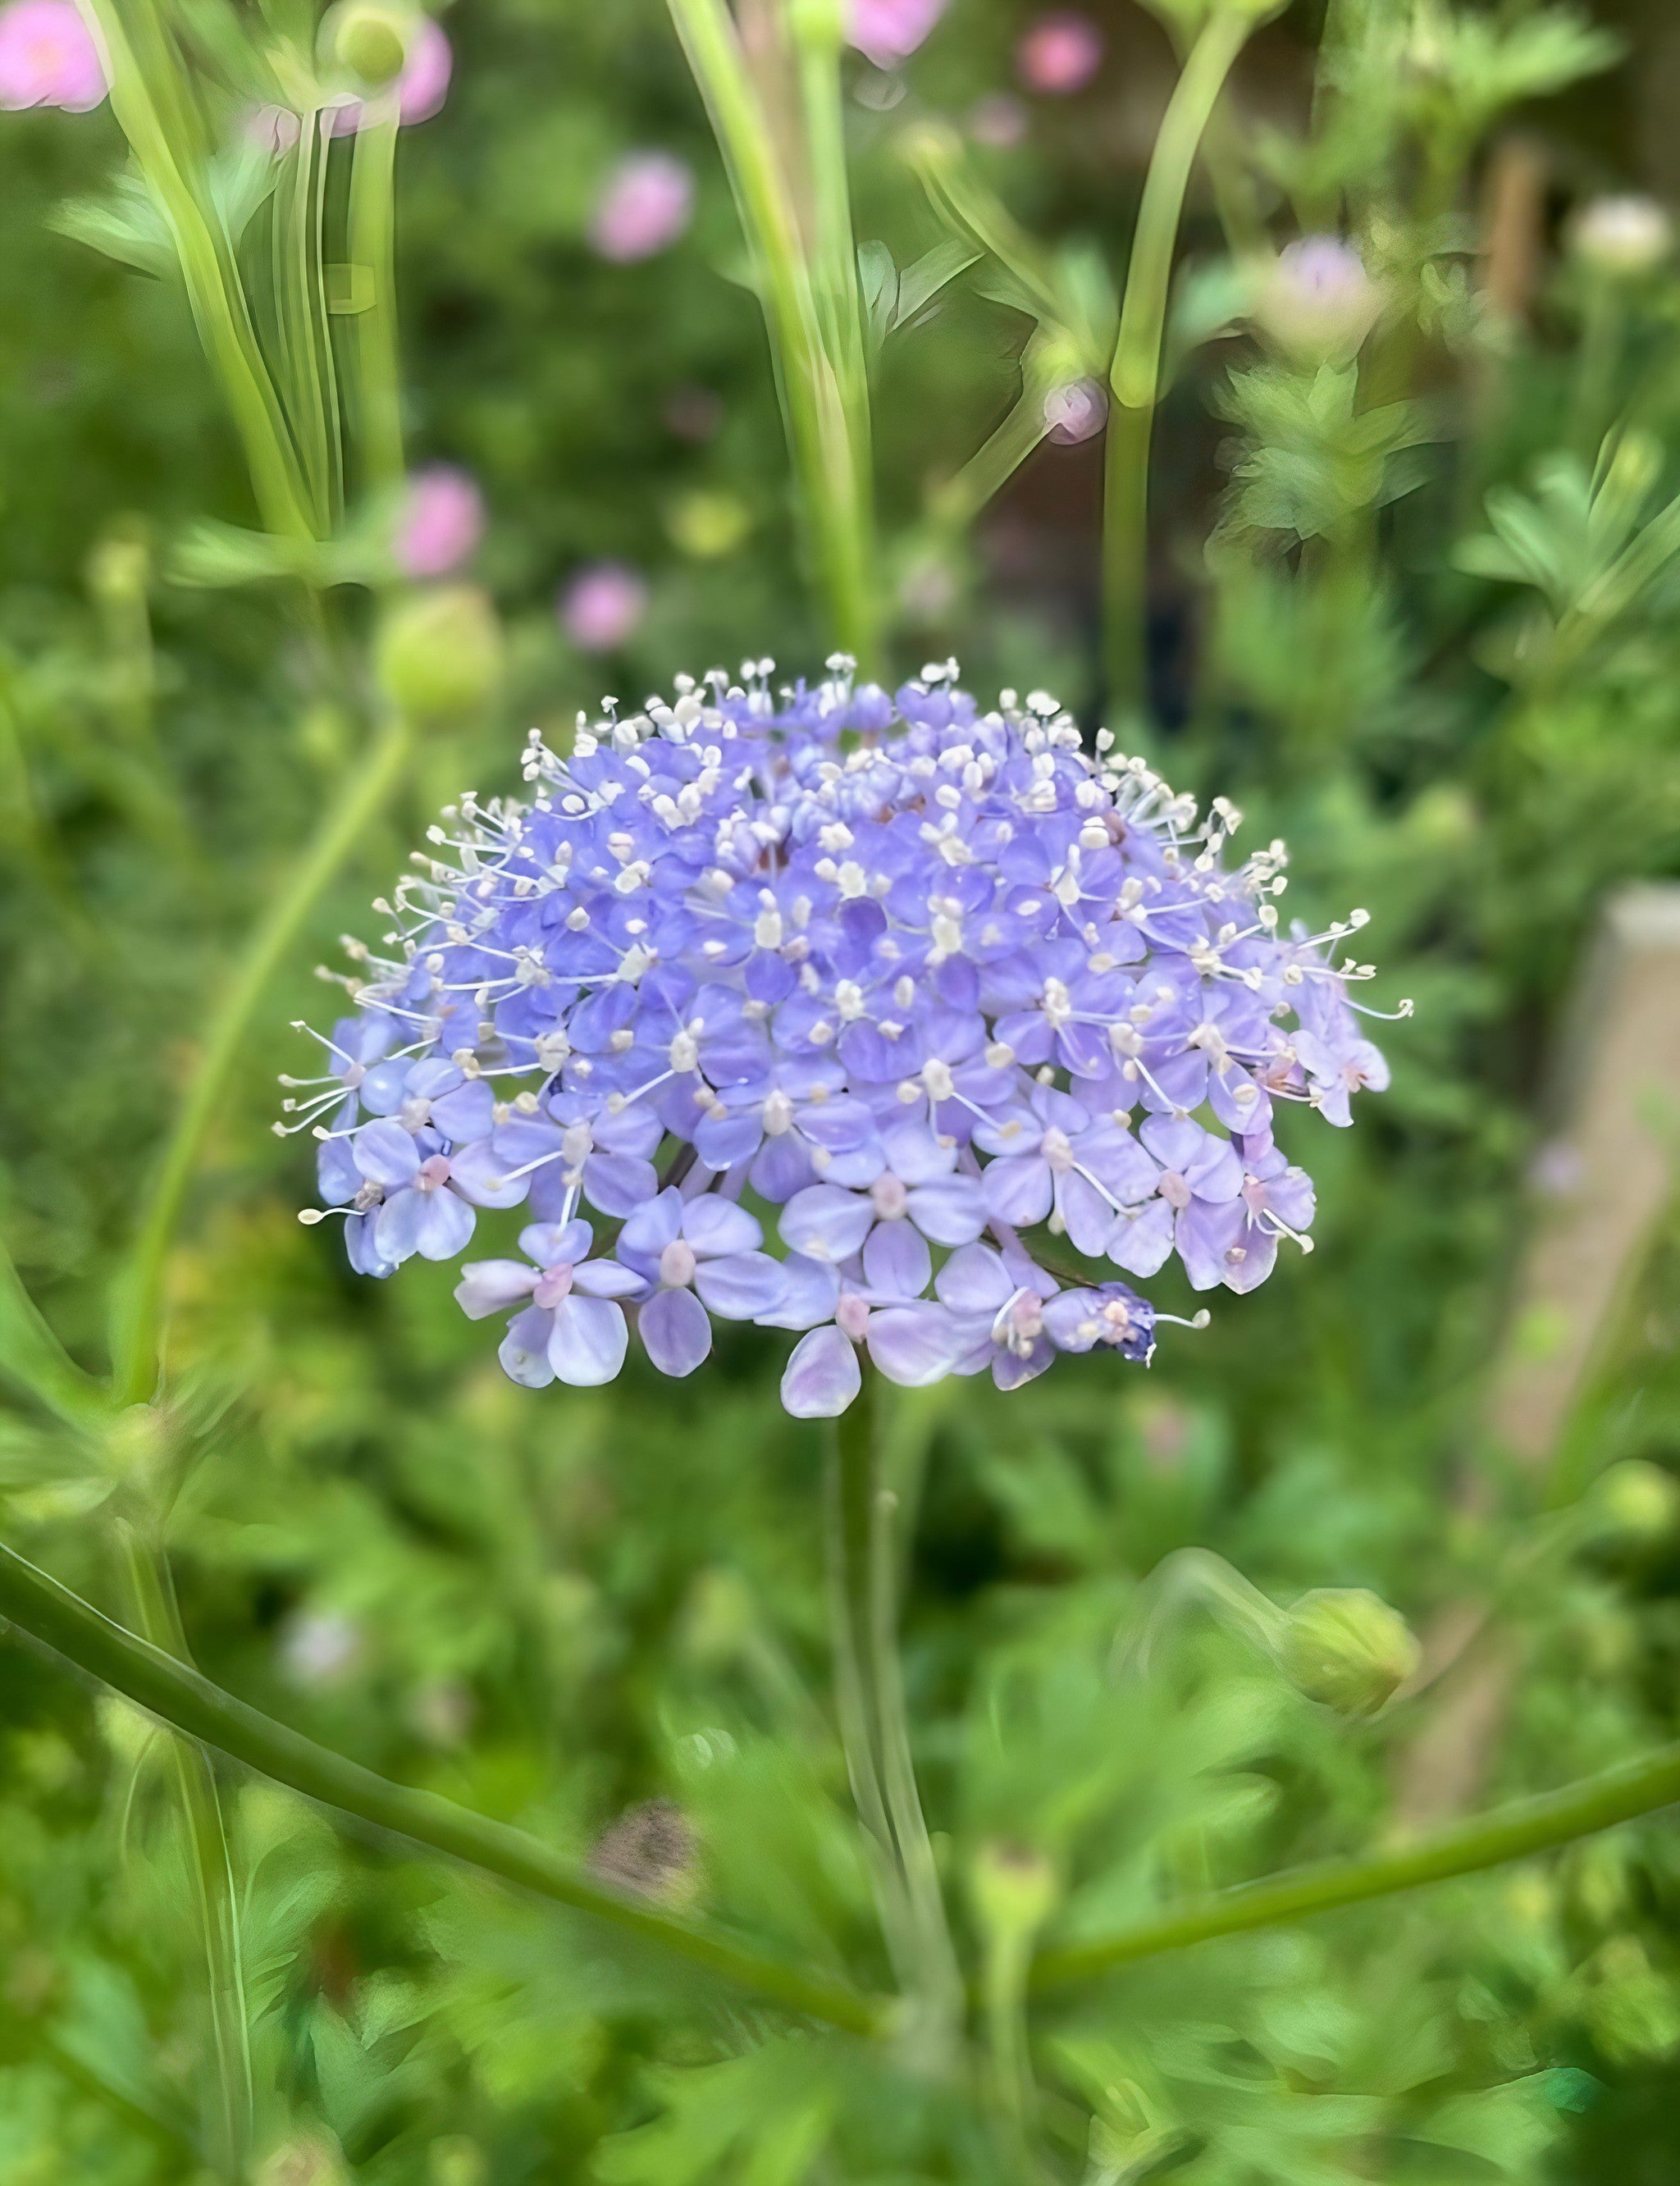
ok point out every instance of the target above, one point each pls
(555, 1607)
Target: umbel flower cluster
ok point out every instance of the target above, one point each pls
(922, 990)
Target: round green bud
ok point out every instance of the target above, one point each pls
(439, 653)
(367, 41)
(1014, 1889)
(1345, 1647)
(1636, 1503)
(1621, 238)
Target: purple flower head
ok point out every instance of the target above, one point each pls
(954, 997)
(602, 606)
(646, 203)
(440, 523)
(49, 57)
(889, 31)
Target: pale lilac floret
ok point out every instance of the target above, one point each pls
(573, 1329)
(49, 57)
(977, 1015)
(698, 1257)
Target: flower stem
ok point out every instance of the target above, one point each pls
(1512, 1832)
(191, 1703)
(138, 1297)
(371, 237)
(870, 1689)
(209, 270)
(151, 1592)
(831, 471)
(32, 1359)
(1135, 376)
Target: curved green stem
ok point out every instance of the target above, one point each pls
(138, 1295)
(191, 1703)
(151, 1591)
(864, 1561)
(1516, 1831)
(1135, 376)
(32, 1359)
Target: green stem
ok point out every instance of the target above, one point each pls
(838, 292)
(192, 1704)
(1516, 1831)
(864, 1559)
(32, 1359)
(138, 1294)
(151, 1593)
(218, 301)
(371, 232)
(810, 382)
(1135, 376)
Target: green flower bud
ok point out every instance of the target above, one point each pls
(1621, 238)
(1635, 1503)
(439, 653)
(1014, 1889)
(1344, 1646)
(367, 43)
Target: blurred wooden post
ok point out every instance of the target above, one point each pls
(1603, 1180)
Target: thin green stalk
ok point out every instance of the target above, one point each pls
(32, 1360)
(960, 500)
(218, 303)
(151, 1593)
(298, 289)
(371, 234)
(1009, 1958)
(191, 1703)
(864, 1557)
(137, 1297)
(1516, 1831)
(1135, 376)
(817, 33)
(976, 214)
(812, 399)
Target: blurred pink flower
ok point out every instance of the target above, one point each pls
(49, 57)
(1060, 53)
(601, 606)
(888, 30)
(1076, 412)
(648, 202)
(421, 87)
(441, 521)
(998, 120)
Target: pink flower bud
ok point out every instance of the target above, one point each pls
(1060, 53)
(602, 606)
(887, 31)
(1076, 412)
(647, 204)
(49, 57)
(441, 522)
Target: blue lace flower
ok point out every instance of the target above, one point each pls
(920, 990)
